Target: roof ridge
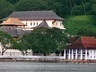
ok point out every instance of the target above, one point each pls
(76, 40)
(33, 10)
(82, 41)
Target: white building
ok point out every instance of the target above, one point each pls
(13, 52)
(34, 18)
(83, 48)
(28, 20)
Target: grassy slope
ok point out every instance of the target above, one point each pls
(75, 23)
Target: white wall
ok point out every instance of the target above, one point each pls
(33, 23)
(58, 24)
(13, 52)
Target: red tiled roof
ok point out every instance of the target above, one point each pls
(84, 42)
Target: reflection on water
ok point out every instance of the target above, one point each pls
(46, 67)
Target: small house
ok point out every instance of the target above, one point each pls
(83, 48)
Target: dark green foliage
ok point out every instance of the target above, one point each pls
(86, 31)
(22, 44)
(5, 8)
(27, 5)
(77, 10)
(46, 41)
(94, 8)
(42, 41)
(61, 7)
(12, 1)
(88, 8)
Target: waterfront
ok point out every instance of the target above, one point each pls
(46, 67)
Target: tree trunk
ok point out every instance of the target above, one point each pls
(3, 50)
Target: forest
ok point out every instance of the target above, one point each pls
(61, 7)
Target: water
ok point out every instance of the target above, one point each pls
(46, 67)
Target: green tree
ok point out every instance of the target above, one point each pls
(6, 41)
(5, 8)
(86, 31)
(45, 41)
(94, 8)
(88, 8)
(27, 5)
(77, 10)
(12, 1)
(22, 44)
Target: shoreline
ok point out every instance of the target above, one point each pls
(42, 59)
(81, 61)
(46, 60)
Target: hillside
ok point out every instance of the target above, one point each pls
(81, 25)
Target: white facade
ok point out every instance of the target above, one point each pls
(80, 54)
(13, 52)
(34, 18)
(51, 23)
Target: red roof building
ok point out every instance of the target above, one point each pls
(84, 42)
(83, 48)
